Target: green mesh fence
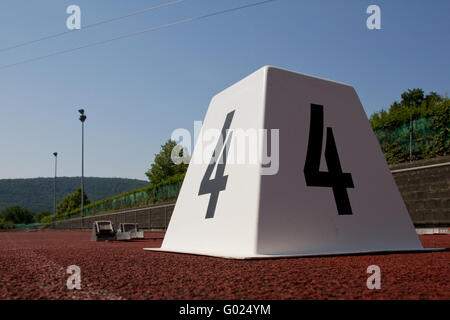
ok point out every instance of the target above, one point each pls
(427, 140)
(27, 226)
(421, 133)
(139, 198)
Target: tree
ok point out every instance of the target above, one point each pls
(71, 202)
(47, 219)
(17, 215)
(40, 215)
(6, 224)
(395, 107)
(412, 98)
(431, 127)
(432, 98)
(163, 166)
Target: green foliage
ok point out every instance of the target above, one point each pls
(17, 215)
(71, 202)
(163, 166)
(6, 224)
(37, 194)
(430, 117)
(412, 98)
(41, 215)
(47, 219)
(440, 124)
(413, 106)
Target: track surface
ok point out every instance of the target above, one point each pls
(33, 266)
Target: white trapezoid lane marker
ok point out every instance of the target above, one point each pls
(332, 193)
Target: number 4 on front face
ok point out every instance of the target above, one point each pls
(214, 186)
(334, 178)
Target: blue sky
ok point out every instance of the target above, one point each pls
(136, 91)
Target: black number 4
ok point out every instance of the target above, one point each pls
(334, 178)
(214, 186)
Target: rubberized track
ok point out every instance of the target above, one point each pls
(33, 266)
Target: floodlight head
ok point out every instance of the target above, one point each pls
(81, 111)
(83, 118)
(55, 154)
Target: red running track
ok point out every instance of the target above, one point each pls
(33, 266)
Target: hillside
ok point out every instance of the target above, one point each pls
(36, 194)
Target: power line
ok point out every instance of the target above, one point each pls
(163, 26)
(23, 44)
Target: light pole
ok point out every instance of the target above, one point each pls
(410, 136)
(82, 119)
(54, 187)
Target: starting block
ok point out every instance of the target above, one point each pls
(103, 231)
(128, 231)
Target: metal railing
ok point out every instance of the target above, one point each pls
(421, 167)
(155, 217)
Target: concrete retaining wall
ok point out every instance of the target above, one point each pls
(426, 191)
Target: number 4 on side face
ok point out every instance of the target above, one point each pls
(334, 178)
(214, 186)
